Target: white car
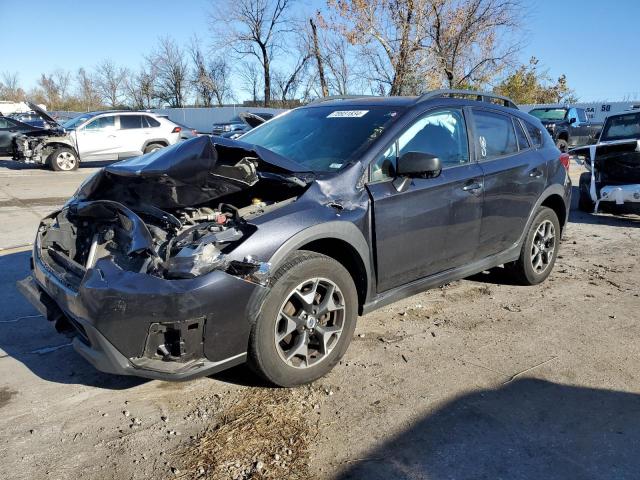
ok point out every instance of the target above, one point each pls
(109, 135)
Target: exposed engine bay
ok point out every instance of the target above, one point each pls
(173, 214)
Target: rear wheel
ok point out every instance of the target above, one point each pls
(539, 250)
(63, 159)
(153, 147)
(585, 203)
(306, 321)
(562, 145)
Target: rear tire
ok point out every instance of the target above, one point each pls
(585, 203)
(539, 250)
(153, 147)
(63, 159)
(293, 342)
(562, 145)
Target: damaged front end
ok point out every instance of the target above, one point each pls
(36, 146)
(140, 262)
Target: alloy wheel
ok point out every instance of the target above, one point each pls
(66, 161)
(310, 322)
(543, 246)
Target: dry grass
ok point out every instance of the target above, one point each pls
(264, 434)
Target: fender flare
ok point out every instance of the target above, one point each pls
(554, 189)
(155, 140)
(335, 230)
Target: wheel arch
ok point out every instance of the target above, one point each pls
(341, 241)
(159, 141)
(556, 203)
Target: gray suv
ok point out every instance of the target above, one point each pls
(214, 252)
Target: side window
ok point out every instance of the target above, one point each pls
(127, 122)
(535, 134)
(4, 123)
(441, 133)
(384, 167)
(149, 122)
(495, 135)
(101, 123)
(523, 143)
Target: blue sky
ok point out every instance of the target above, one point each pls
(593, 42)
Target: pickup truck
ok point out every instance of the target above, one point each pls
(568, 126)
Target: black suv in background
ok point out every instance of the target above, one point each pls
(568, 126)
(213, 252)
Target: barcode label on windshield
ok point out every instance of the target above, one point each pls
(348, 114)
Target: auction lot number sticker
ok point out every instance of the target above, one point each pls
(348, 114)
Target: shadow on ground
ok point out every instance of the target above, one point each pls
(30, 339)
(528, 429)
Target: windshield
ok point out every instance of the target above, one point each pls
(75, 121)
(621, 127)
(549, 113)
(323, 139)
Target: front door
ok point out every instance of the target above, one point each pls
(432, 225)
(97, 140)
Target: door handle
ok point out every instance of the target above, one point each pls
(535, 173)
(472, 187)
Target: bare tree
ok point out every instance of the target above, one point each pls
(140, 88)
(250, 78)
(53, 90)
(465, 39)
(110, 81)
(172, 72)
(10, 87)
(319, 60)
(89, 97)
(255, 28)
(210, 77)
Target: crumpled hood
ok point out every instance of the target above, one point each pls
(189, 173)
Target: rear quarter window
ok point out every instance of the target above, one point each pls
(535, 134)
(149, 122)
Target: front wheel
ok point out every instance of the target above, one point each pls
(306, 321)
(539, 250)
(63, 159)
(154, 147)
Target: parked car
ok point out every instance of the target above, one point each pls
(613, 179)
(568, 126)
(109, 135)
(240, 124)
(9, 130)
(214, 252)
(186, 133)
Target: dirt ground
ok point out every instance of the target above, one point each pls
(479, 379)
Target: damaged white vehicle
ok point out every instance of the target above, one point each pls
(96, 136)
(613, 180)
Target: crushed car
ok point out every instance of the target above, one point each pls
(95, 136)
(214, 252)
(613, 179)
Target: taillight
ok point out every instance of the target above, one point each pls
(565, 160)
(176, 130)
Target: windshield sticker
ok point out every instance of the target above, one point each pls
(348, 114)
(335, 165)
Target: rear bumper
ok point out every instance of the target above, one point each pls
(121, 318)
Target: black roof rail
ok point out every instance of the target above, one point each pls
(338, 97)
(479, 96)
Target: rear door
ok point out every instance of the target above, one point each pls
(433, 225)
(514, 177)
(133, 133)
(97, 139)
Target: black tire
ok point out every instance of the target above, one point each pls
(152, 147)
(523, 270)
(265, 356)
(63, 159)
(584, 200)
(562, 145)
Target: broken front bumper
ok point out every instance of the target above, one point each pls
(135, 324)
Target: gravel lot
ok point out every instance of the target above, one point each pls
(477, 379)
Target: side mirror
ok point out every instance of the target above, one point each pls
(414, 164)
(573, 120)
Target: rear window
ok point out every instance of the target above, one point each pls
(622, 127)
(535, 134)
(495, 135)
(128, 122)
